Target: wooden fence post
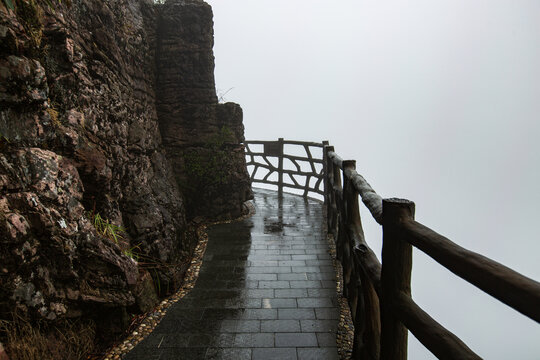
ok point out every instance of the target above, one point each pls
(395, 276)
(280, 168)
(350, 283)
(325, 169)
(330, 197)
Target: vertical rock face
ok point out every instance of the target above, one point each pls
(81, 109)
(201, 136)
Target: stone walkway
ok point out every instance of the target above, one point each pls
(266, 290)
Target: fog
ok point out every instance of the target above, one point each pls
(437, 101)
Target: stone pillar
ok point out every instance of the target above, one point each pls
(202, 138)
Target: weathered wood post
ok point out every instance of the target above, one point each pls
(280, 168)
(395, 276)
(331, 207)
(350, 282)
(324, 171)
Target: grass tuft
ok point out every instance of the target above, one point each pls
(69, 340)
(106, 228)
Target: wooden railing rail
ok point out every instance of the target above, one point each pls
(379, 295)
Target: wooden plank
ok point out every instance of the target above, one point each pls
(501, 282)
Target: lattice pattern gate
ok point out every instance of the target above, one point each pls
(301, 169)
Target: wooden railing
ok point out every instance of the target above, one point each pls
(294, 176)
(379, 296)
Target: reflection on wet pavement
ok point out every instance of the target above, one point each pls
(266, 290)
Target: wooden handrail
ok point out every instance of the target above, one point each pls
(501, 282)
(379, 295)
(429, 332)
(370, 198)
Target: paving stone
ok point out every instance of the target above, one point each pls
(296, 340)
(328, 284)
(304, 257)
(260, 314)
(201, 340)
(254, 340)
(263, 263)
(278, 303)
(325, 313)
(318, 325)
(322, 292)
(274, 284)
(292, 262)
(221, 314)
(183, 353)
(268, 270)
(305, 284)
(320, 262)
(276, 326)
(316, 251)
(228, 353)
(321, 276)
(292, 252)
(261, 276)
(293, 276)
(315, 303)
(258, 293)
(274, 354)
(290, 293)
(318, 354)
(305, 269)
(248, 326)
(326, 339)
(297, 314)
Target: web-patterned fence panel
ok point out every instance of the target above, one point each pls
(303, 171)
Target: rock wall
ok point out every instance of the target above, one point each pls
(85, 88)
(201, 136)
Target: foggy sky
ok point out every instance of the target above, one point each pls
(438, 102)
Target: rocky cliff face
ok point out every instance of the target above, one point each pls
(201, 136)
(85, 88)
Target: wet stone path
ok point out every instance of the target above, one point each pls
(266, 290)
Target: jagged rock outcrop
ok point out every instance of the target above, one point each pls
(80, 136)
(202, 137)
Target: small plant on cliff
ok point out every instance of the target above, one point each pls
(53, 114)
(107, 229)
(114, 233)
(30, 14)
